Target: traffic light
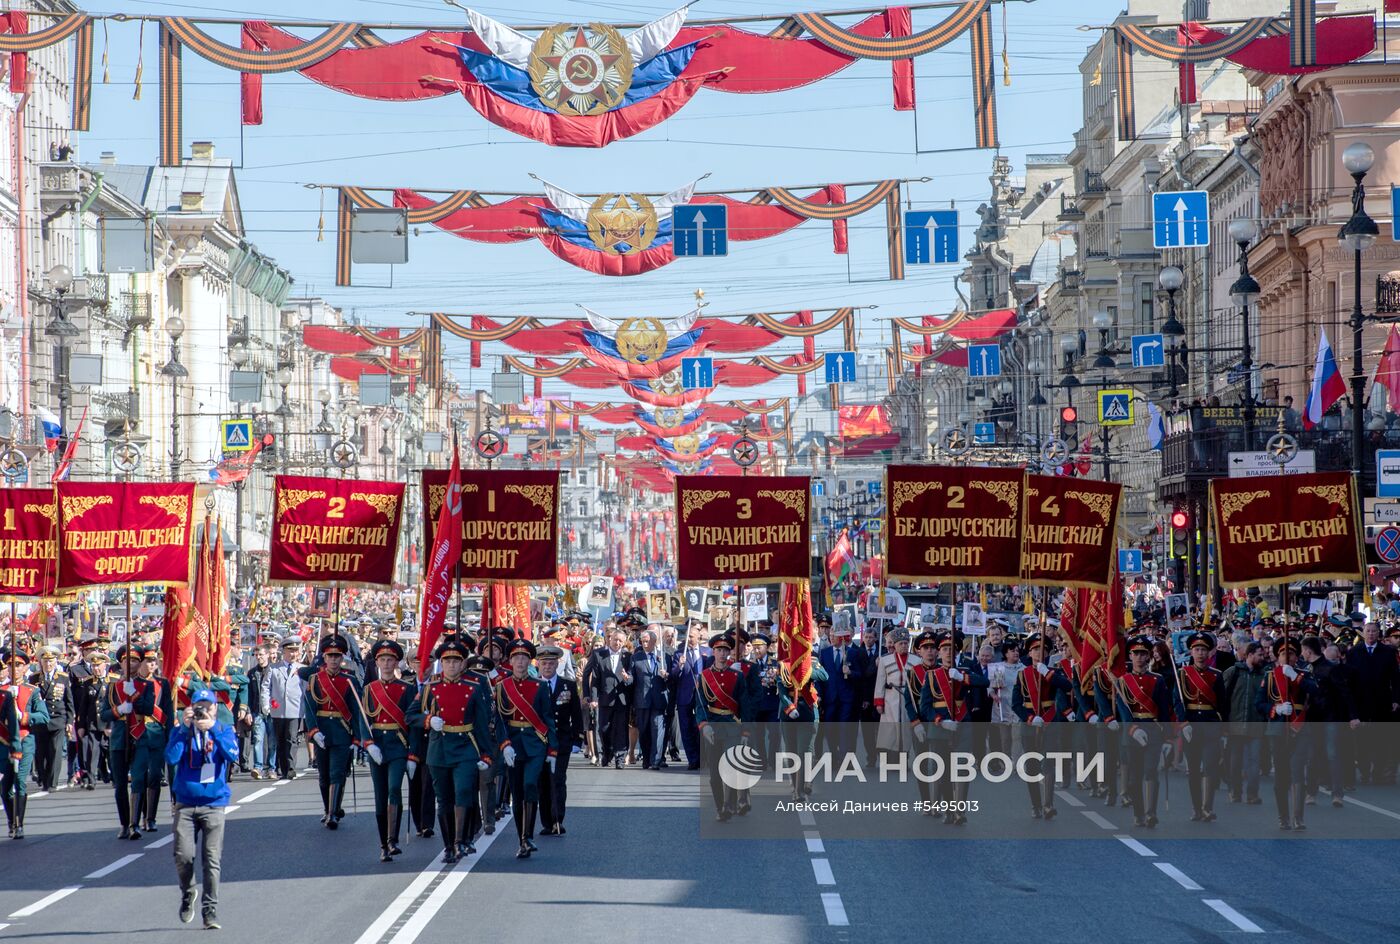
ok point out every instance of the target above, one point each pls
(1181, 520)
(1069, 414)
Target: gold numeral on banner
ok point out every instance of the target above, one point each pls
(1050, 507)
(9, 519)
(955, 496)
(491, 501)
(337, 509)
(745, 509)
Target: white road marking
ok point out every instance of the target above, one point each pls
(814, 841)
(835, 910)
(1182, 879)
(231, 809)
(420, 918)
(1136, 846)
(41, 793)
(281, 783)
(1097, 819)
(805, 818)
(1069, 798)
(400, 904)
(257, 794)
(1374, 809)
(3, 926)
(822, 869)
(44, 902)
(1232, 916)
(162, 842)
(120, 863)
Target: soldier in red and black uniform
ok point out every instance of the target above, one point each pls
(527, 713)
(22, 709)
(918, 701)
(1036, 703)
(1203, 706)
(949, 688)
(388, 701)
(1283, 699)
(335, 722)
(721, 714)
(1144, 709)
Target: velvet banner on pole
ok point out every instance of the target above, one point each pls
(124, 533)
(1281, 528)
(28, 542)
(328, 530)
(510, 523)
(754, 528)
(953, 523)
(1070, 530)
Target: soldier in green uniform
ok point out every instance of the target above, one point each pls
(231, 688)
(453, 715)
(21, 710)
(388, 702)
(797, 712)
(335, 722)
(139, 709)
(527, 713)
(1144, 707)
(721, 714)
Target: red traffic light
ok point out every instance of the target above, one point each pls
(1180, 519)
(1068, 414)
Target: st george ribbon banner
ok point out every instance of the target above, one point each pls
(1281, 528)
(1071, 524)
(123, 533)
(28, 542)
(334, 530)
(510, 523)
(954, 523)
(733, 527)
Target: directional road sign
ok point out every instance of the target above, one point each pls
(1388, 473)
(1115, 408)
(1388, 544)
(984, 360)
(1247, 465)
(697, 373)
(840, 366)
(1149, 350)
(237, 435)
(1129, 560)
(1180, 219)
(930, 236)
(700, 229)
(984, 434)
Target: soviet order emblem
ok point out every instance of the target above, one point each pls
(579, 70)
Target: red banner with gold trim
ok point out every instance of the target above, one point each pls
(28, 542)
(953, 523)
(1070, 526)
(334, 530)
(1279, 528)
(733, 527)
(116, 533)
(510, 523)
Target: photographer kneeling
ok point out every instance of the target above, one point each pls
(200, 749)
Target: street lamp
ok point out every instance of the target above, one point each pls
(60, 329)
(1103, 322)
(1244, 292)
(1358, 235)
(239, 355)
(174, 329)
(1170, 280)
(321, 434)
(1069, 345)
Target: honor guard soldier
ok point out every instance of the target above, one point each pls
(139, 710)
(89, 695)
(1203, 707)
(949, 689)
(1284, 699)
(918, 702)
(22, 709)
(388, 702)
(51, 739)
(762, 678)
(567, 708)
(453, 713)
(1103, 694)
(335, 721)
(797, 704)
(525, 708)
(481, 818)
(721, 715)
(496, 787)
(1036, 701)
(1144, 707)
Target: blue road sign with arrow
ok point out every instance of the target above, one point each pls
(697, 373)
(1180, 219)
(840, 366)
(1129, 560)
(700, 229)
(1149, 350)
(984, 434)
(984, 360)
(930, 236)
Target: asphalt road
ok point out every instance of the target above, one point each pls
(640, 861)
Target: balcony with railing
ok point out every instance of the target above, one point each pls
(1388, 294)
(1093, 182)
(1199, 448)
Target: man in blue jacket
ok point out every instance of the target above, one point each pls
(200, 751)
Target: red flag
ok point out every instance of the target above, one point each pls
(1388, 370)
(441, 565)
(1100, 619)
(841, 562)
(184, 644)
(215, 606)
(61, 470)
(795, 634)
(504, 606)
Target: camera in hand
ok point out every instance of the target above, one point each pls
(203, 711)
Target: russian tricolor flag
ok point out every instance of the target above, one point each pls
(53, 432)
(1328, 385)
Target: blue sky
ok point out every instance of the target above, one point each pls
(839, 130)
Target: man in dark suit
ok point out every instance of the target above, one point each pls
(607, 679)
(51, 739)
(649, 698)
(1375, 676)
(568, 729)
(686, 665)
(845, 667)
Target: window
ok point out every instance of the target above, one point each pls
(583, 507)
(1145, 304)
(564, 477)
(583, 476)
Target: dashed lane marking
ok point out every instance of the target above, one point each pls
(814, 841)
(1232, 916)
(44, 902)
(1136, 846)
(1070, 798)
(821, 868)
(1181, 878)
(1098, 819)
(1374, 809)
(835, 910)
(162, 842)
(120, 863)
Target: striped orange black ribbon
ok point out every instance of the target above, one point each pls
(558, 370)
(82, 77)
(779, 367)
(894, 227)
(61, 29)
(429, 214)
(1127, 108)
(832, 211)
(984, 86)
(344, 214)
(842, 316)
(498, 333)
(171, 110)
(1142, 40)
(413, 337)
(1302, 43)
(260, 61)
(887, 47)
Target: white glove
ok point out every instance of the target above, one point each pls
(375, 754)
(1071, 716)
(436, 723)
(1093, 719)
(319, 738)
(1112, 724)
(1290, 673)
(412, 768)
(129, 687)
(1037, 721)
(709, 734)
(1042, 668)
(550, 762)
(948, 724)
(124, 708)
(1187, 733)
(509, 755)
(482, 765)
(956, 675)
(1284, 709)
(1141, 737)
(920, 734)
